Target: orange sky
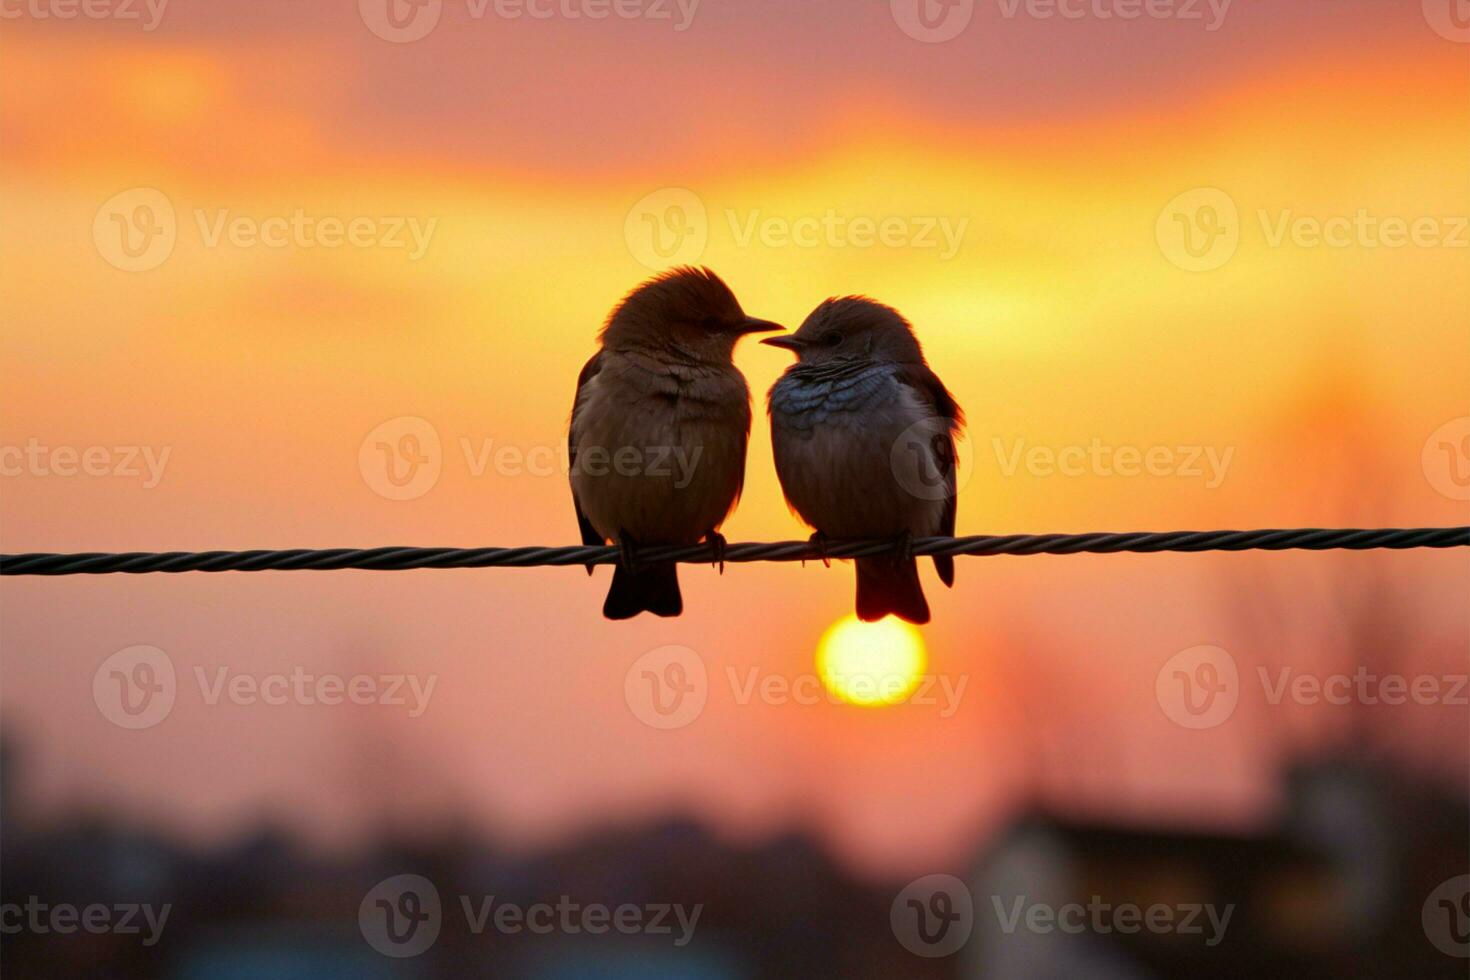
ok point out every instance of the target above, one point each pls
(1059, 319)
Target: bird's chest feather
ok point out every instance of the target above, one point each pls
(833, 440)
(806, 401)
(675, 404)
(660, 453)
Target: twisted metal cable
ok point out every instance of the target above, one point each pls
(401, 559)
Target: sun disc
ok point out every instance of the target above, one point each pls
(871, 664)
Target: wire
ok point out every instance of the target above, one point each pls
(401, 559)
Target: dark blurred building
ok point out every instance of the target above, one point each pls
(264, 907)
(1334, 886)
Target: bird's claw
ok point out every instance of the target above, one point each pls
(903, 546)
(818, 541)
(717, 545)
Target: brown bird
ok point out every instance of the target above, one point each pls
(659, 430)
(863, 434)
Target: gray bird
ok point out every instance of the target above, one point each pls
(659, 431)
(863, 434)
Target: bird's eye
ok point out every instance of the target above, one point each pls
(710, 322)
(830, 339)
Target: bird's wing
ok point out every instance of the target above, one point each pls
(589, 371)
(927, 384)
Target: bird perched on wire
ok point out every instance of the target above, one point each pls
(864, 439)
(659, 430)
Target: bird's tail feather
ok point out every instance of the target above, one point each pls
(649, 588)
(890, 585)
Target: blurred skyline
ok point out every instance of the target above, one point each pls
(532, 156)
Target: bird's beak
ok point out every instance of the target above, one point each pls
(755, 325)
(788, 341)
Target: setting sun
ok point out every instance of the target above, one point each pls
(871, 664)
